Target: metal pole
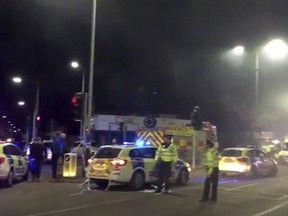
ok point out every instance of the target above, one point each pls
(27, 130)
(84, 111)
(84, 119)
(92, 53)
(36, 110)
(257, 98)
(194, 150)
(83, 82)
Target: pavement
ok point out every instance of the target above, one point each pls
(237, 196)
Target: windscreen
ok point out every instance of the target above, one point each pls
(107, 152)
(231, 153)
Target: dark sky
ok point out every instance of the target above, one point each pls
(152, 56)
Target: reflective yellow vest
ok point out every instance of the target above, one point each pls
(210, 159)
(168, 154)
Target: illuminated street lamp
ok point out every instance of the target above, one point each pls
(276, 49)
(21, 103)
(4, 117)
(36, 109)
(238, 50)
(17, 79)
(74, 64)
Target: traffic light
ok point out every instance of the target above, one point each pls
(121, 126)
(196, 120)
(78, 104)
(38, 118)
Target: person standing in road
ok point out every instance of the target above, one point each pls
(165, 156)
(211, 163)
(37, 150)
(57, 152)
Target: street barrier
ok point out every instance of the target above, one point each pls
(70, 165)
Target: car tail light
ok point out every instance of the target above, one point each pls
(242, 160)
(118, 162)
(2, 160)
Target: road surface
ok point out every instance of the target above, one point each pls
(237, 197)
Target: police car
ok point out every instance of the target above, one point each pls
(133, 165)
(249, 161)
(13, 164)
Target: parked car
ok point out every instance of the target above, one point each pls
(247, 161)
(131, 165)
(13, 164)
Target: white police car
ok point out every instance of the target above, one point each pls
(13, 164)
(246, 160)
(131, 165)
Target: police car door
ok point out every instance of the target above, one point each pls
(149, 157)
(260, 160)
(19, 162)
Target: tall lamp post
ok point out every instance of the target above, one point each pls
(91, 71)
(75, 65)
(276, 49)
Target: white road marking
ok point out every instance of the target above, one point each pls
(240, 187)
(271, 209)
(76, 208)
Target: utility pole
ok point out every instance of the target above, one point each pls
(36, 111)
(92, 58)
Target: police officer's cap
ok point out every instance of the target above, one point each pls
(168, 136)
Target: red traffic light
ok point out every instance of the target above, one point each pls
(74, 100)
(38, 118)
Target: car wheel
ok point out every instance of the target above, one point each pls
(183, 177)
(102, 183)
(25, 177)
(137, 181)
(273, 171)
(254, 172)
(8, 182)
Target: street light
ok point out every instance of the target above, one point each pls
(276, 49)
(238, 50)
(36, 108)
(76, 66)
(21, 103)
(17, 79)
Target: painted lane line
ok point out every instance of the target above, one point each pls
(76, 208)
(240, 187)
(271, 209)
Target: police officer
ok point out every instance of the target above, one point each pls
(210, 162)
(165, 156)
(37, 150)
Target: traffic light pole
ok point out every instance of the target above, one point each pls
(194, 149)
(84, 118)
(36, 110)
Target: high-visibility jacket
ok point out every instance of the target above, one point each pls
(167, 154)
(210, 160)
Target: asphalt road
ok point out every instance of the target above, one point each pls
(238, 196)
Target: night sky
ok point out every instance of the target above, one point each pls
(159, 56)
